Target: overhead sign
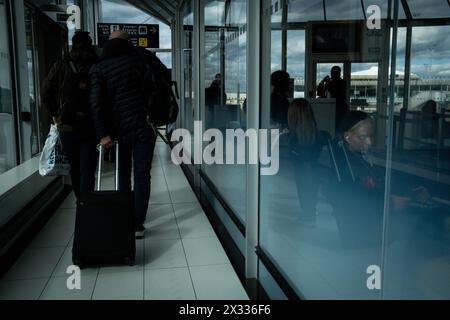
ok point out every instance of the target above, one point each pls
(141, 35)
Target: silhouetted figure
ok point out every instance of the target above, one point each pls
(213, 93)
(305, 144)
(335, 87)
(279, 103)
(430, 120)
(118, 100)
(65, 94)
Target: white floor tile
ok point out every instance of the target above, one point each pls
(192, 221)
(160, 254)
(162, 229)
(218, 282)
(138, 265)
(22, 289)
(172, 170)
(204, 251)
(35, 263)
(180, 194)
(168, 284)
(162, 259)
(160, 212)
(57, 289)
(119, 286)
(57, 232)
(159, 193)
(66, 261)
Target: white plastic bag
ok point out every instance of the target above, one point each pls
(52, 161)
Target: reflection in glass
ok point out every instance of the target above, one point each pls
(429, 9)
(305, 10)
(7, 140)
(347, 9)
(225, 90)
(326, 220)
(119, 11)
(31, 59)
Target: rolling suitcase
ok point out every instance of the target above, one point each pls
(104, 226)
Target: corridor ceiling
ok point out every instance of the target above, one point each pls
(163, 10)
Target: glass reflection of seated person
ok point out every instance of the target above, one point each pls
(305, 145)
(335, 87)
(357, 195)
(213, 93)
(279, 103)
(430, 120)
(215, 97)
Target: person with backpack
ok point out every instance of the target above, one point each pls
(126, 108)
(65, 94)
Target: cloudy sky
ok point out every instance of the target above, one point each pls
(430, 49)
(118, 11)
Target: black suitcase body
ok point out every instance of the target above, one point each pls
(104, 227)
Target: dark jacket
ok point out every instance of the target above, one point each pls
(118, 98)
(66, 97)
(308, 153)
(279, 106)
(356, 192)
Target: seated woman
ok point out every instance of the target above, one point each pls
(358, 188)
(305, 145)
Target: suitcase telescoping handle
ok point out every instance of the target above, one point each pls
(100, 161)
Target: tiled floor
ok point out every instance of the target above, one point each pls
(180, 258)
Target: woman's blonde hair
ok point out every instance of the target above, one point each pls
(302, 122)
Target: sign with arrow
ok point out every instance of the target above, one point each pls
(142, 35)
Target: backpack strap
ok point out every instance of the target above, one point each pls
(71, 66)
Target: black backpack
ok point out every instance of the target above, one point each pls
(162, 107)
(74, 93)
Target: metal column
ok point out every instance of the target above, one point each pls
(253, 106)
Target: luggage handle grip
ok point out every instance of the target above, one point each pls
(101, 149)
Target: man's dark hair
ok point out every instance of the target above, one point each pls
(82, 49)
(280, 81)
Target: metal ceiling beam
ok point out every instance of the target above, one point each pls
(164, 7)
(146, 7)
(407, 10)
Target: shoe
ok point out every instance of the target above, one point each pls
(139, 233)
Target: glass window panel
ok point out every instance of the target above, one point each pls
(119, 11)
(427, 9)
(305, 10)
(344, 10)
(382, 4)
(321, 222)
(418, 239)
(276, 11)
(296, 60)
(226, 91)
(166, 58)
(215, 13)
(30, 129)
(276, 50)
(7, 132)
(188, 72)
